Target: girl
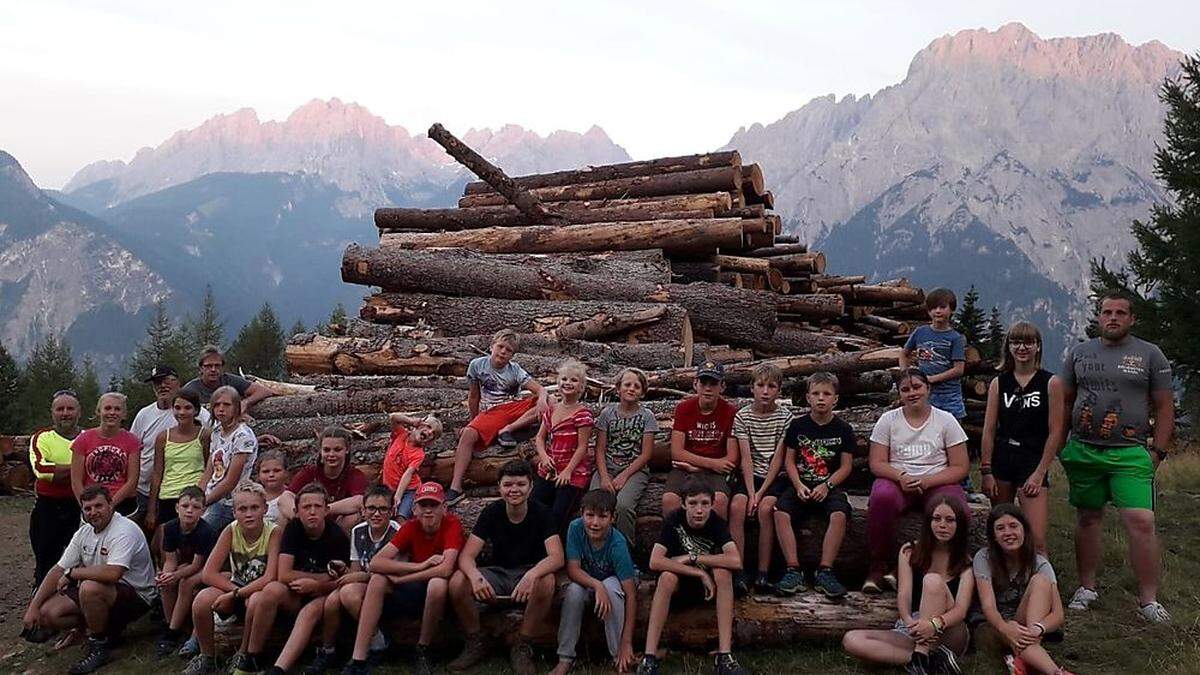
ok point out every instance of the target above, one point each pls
(273, 476)
(624, 442)
(1022, 429)
(234, 450)
(917, 453)
(179, 456)
(243, 562)
(935, 588)
(562, 443)
(1018, 593)
(108, 455)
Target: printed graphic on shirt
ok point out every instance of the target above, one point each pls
(107, 464)
(693, 543)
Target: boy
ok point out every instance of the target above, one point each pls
(758, 429)
(701, 446)
(344, 484)
(939, 351)
(819, 458)
(405, 454)
(312, 555)
(695, 558)
(496, 412)
(600, 569)
(366, 539)
(526, 552)
(430, 541)
(186, 542)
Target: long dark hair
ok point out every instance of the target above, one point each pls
(1026, 556)
(922, 553)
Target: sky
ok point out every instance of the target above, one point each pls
(84, 80)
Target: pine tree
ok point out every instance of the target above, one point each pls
(89, 384)
(337, 316)
(970, 321)
(258, 349)
(206, 329)
(49, 368)
(1162, 270)
(164, 344)
(297, 328)
(10, 394)
(995, 336)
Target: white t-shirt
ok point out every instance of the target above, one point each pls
(147, 425)
(241, 442)
(121, 543)
(273, 510)
(919, 451)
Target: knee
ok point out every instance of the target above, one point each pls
(722, 575)
(782, 519)
(668, 581)
(436, 589)
(670, 502)
(1140, 523)
(459, 585)
(1089, 518)
(468, 439)
(851, 641)
(574, 594)
(885, 496)
(932, 582)
(544, 586)
(721, 503)
(766, 511)
(92, 590)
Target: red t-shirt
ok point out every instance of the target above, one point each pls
(411, 539)
(706, 434)
(401, 454)
(106, 460)
(349, 483)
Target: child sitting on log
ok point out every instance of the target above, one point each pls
(496, 412)
(187, 541)
(405, 454)
(701, 443)
(273, 476)
(624, 443)
(695, 558)
(563, 464)
(819, 455)
(758, 430)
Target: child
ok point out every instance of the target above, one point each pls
(344, 484)
(186, 543)
(624, 442)
(243, 562)
(939, 351)
(492, 402)
(934, 595)
(564, 466)
(234, 451)
(405, 454)
(695, 558)
(273, 476)
(366, 539)
(758, 429)
(701, 445)
(178, 461)
(819, 458)
(600, 569)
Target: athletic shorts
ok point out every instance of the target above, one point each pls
(834, 502)
(489, 422)
(689, 592)
(677, 477)
(406, 600)
(504, 579)
(1014, 462)
(1099, 475)
(738, 486)
(127, 608)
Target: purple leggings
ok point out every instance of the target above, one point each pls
(885, 507)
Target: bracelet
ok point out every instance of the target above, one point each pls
(1040, 627)
(985, 471)
(938, 623)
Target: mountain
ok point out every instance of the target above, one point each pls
(1002, 160)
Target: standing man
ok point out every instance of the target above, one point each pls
(152, 420)
(55, 514)
(1113, 385)
(213, 377)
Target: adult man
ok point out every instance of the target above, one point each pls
(213, 376)
(1113, 385)
(152, 420)
(104, 580)
(526, 552)
(55, 513)
(344, 484)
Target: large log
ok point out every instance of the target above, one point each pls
(695, 235)
(789, 339)
(603, 172)
(777, 250)
(812, 306)
(356, 401)
(792, 366)
(797, 263)
(715, 179)
(866, 294)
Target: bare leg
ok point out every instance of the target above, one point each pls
(528, 417)
(1087, 545)
(1144, 554)
(1005, 492)
(787, 538)
(670, 503)
(537, 608)
(879, 646)
(331, 617)
(935, 599)
(96, 601)
(265, 604)
(660, 606)
(835, 532)
(168, 595)
(737, 522)
(467, 442)
(348, 521)
(368, 615)
(435, 608)
(721, 505)
(723, 580)
(464, 603)
(183, 605)
(1035, 606)
(60, 613)
(1037, 510)
(202, 619)
(302, 630)
(766, 533)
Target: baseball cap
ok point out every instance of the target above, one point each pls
(711, 369)
(430, 492)
(159, 372)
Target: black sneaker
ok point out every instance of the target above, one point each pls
(353, 667)
(454, 496)
(95, 656)
(474, 651)
(421, 664)
(507, 440)
(322, 661)
(741, 585)
(168, 644)
(944, 660)
(828, 583)
(648, 666)
(918, 664)
(725, 664)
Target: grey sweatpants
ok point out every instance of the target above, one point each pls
(627, 499)
(576, 600)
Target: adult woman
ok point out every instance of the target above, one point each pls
(1018, 593)
(108, 455)
(934, 595)
(55, 515)
(918, 452)
(234, 451)
(1023, 429)
(179, 456)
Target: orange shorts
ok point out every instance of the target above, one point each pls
(489, 422)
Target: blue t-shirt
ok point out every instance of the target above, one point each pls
(611, 559)
(935, 352)
(496, 386)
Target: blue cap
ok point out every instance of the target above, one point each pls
(711, 369)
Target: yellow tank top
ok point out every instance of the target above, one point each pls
(183, 466)
(248, 560)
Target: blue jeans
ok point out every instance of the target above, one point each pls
(218, 515)
(405, 507)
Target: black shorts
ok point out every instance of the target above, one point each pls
(127, 608)
(676, 479)
(738, 486)
(406, 600)
(834, 502)
(1014, 463)
(689, 592)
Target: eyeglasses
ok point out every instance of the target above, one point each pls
(378, 509)
(65, 392)
(1023, 343)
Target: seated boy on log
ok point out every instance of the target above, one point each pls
(601, 571)
(186, 542)
(702, 447)
(526, 551)
(695, 558)
(496, 411)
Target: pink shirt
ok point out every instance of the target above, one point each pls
(106, 460)
(563, 441)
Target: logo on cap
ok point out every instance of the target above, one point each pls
(430, 492)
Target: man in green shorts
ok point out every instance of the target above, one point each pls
(1113, 386)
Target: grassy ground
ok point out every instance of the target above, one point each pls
(1110, 639)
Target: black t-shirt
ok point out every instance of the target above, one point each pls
(515, 545)
(314, 555)
(682, 539)
(819, 447)
(185, 546)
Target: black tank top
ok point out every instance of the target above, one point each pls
(1024, 416)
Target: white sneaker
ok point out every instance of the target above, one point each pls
(379, 643)
(1154, 613)
(1082, 598)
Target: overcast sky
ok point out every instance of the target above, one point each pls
(86, 80)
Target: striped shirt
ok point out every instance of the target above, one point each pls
(763, 432)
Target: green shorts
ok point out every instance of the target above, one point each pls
(1099, 475)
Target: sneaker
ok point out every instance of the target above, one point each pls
(421, 664)
(246, 665)
(1083, 598)
(918, 664)
(944, 660)
(648, 666)
(890, 582)
(1154, 613)
(741, 585)
(473, 652)
(521, 658)
(189, 648)
(1015, 665)
(379, 644)
(873, 586)
(454, 496)
(792, 582)
(322, 661)
(506, 439)
(168, 644)
(353, 667)
(201, 664)
(725, 664)
(763, 585)
(96, 654)
(827, 582)
(977, 498)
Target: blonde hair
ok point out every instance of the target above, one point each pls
(767, 371)
(1021, 330)
(509, 336)
(111, 394)
(272, 456)
(250, 487)
(636, 372)
(572, 366)
(434, 423)
(234, 397)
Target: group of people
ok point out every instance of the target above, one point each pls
(175, 494)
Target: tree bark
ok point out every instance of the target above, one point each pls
(799, 263)
(752, 180)
(789, 339)
(812, 306)
(688, 271)
(866, 294)
(792, 366)
(355, 402)
(776, 250)
(604, 172)
(715, 179)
